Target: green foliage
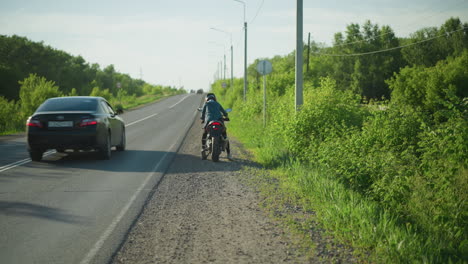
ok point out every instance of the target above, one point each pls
(438, 90)
(152, 89)
(440, 196)
(102, 93)
(34, 91)
(73, 92)
(20, 57)
(364, 74)
(391, 177)
(429, 53)
(22, 62)
(10, 120)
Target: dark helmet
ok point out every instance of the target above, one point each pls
(210, 96)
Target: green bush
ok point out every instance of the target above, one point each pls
(400, 168)
(10, 120)
(326, 112)
(73, 92)
(439, 197)
(406, 158)
(437, 90)
(102, 93)
(34, 91)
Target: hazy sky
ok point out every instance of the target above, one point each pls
(170, 42)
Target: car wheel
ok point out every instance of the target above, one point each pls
(36, 154)
(123, 142)
(105, 152)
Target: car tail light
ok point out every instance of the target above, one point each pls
(88, 122)
(34, 123)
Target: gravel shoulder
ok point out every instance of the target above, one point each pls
(204, 212)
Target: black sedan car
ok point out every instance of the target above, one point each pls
(75, 123)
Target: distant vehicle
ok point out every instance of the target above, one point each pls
(199, 91)
(75, 123)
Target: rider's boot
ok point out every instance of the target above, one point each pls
(228, 150)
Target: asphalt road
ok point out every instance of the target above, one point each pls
(75, 208)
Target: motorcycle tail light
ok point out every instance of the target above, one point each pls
(216, 124)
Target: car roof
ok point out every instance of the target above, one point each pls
(78, 97)
(94, 98)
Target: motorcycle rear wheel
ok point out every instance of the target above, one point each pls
(216, 151)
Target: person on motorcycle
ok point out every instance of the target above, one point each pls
(212, 110)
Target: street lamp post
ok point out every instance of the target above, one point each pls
(299, 60)
(232, 63)
(224, 57)
(245, 50)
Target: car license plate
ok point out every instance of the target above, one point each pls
(60, 123)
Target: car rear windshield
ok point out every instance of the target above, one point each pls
(68, 104)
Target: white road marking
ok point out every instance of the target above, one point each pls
(21, 162)
(98, 245)
(179, 101)
(132, 123)
(14, 164)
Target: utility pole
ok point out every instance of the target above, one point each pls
(264, 68)
(232, 62)
(264, 98)
(299, 56)
(232, 67)
(245, 50)
(220, 70)
(245, 59)
(308, 53)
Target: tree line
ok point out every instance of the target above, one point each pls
(367, 74)
(42, 71)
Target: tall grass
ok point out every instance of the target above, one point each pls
(389, 180)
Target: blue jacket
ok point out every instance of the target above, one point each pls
(212, 110)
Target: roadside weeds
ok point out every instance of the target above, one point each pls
(301, 225)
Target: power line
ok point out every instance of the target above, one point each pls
(389, 49)
(238, 42)
(381, 35)
(258, 11)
